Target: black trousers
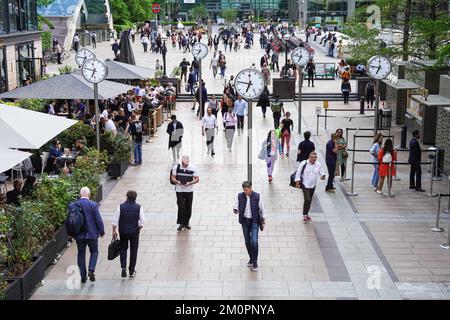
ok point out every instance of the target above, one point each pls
(184, 203)
(307, 195)
(133, 240)
(240, 122)
(311, 78)
(331, 169)
(415, 174)
(346, 94)
(276, 119)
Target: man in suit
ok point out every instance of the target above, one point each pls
(93, 229)
(130, 219)
(414, 159)
(175, 131)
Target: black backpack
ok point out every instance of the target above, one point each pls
(75, 222)
(292, 181)
(170, 175)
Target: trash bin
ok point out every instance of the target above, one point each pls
(385, 118)
(436, 155)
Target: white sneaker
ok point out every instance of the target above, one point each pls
(374, 188)
(379, 192)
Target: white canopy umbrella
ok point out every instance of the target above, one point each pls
(9, 158)
(25, 129)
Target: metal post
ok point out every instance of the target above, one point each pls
(436, 228)
(97, 122)
(448, 208)
(300, 80)
(317, 125)
(352, 193)
(389, 181)
(431, 181)
(326, 116)
(377, 105)
(200, 88)
(446, 246)
(249, 141)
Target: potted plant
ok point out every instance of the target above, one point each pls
(119, 148)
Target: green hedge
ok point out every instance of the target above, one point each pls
(46, 38)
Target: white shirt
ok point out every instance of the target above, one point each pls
(184, 188)
(141, 93)
(110, 126)
(209, 122)
(104, 114)
(247, 211)
(312, 171)
(116, 217)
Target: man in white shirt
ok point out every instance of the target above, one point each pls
(110, 126)
(306, 178)
(209, 123)
(184, 176)
(130, 219)
(251, 210)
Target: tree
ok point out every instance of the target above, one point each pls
(199, 12)
(229, 15)
(119, 11)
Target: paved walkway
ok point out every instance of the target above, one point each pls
(363, 247)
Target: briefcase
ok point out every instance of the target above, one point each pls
(114, 249)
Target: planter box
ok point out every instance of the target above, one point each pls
(31, 277)
(54, 246)
(61, 238)
(117, 169)
(14, 290)
(99, 195)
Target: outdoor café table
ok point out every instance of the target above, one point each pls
(61, 161)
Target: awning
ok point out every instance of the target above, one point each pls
(124, 71)
(67, 86)
(9, 158)
(25, 129)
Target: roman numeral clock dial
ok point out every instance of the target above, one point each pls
(249, 83)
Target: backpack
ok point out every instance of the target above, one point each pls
(170, 175)
(75, 222)
(292, 182)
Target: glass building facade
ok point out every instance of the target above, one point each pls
(17, 15)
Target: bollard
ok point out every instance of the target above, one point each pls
(448, 207)
(395, 177)
(361, 105)
(389, 182)
(403, 137)
(431, 182)
(446, 246)
(436, 228)
(326, 116)
(351, 193)
(317, 126)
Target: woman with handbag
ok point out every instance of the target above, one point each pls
(269, 152)
(226, 103)
(386, 155)
(342, 153)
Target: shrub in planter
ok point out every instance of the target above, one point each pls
(119, 148)
(78, 131)
(88, 169)
(33, 104)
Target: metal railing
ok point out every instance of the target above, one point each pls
(342, 110)
(343, 117)
(437, 228)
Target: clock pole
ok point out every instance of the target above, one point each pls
(377, 105)
(300, 82)
(249, 141)
(97, 122)
(201, 111)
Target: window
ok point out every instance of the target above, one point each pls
(25, 63)
(3, 27)
(13, 8)
(28, 15)
(3, 73)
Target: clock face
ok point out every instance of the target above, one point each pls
(200, 50)
(94, 70)
(249, 83)
(300, 56)
(379, 67)
(82, 55)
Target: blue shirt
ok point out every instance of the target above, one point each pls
(240, 107)
(330, 156)
(55, 152)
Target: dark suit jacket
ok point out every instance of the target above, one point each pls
(175, 136)
(415, 152)
(93, 221)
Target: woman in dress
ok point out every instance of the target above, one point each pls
(269, 152)
(342, 152)
(266, 73)
(386, 155)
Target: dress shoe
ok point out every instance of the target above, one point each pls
(124, 273)
(91, 276)
(412, 187)
(187, 227)
(180, 227)
(420, 190)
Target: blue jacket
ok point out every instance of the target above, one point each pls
(93, 221)
(55, 152)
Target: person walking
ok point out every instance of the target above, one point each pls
(370, 93)
(145, 41)
(269, 152)
(92, 230)
(214, 105)
(346, 89)
(136, 129)
(266, 74)
(222, 64)
(184, 68)
(277, 107)
(251, 212)
(184, 176)
(414, 159)
(129, 218)
(226, 104)
(342, 152)
(230, 119)
(240, 108)
(374, 151)
(209, 124)
(274, 61)
(311, 70)
(175, 130)
(216, 43)
(191, 81)
(331, 159)
(202, 103)
(386, 155)
(286, 131)
(115, 48)
(306, 179)
(58, 52)
(305, 147)
(214, 64)
(76, 42)
(196, 67)
(264, 101)
(94, 39)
